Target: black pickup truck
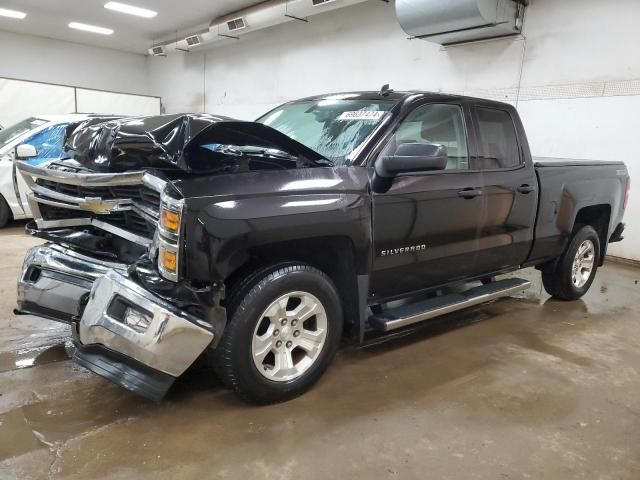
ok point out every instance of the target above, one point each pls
(262, 245)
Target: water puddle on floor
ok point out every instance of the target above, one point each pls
(32, 357)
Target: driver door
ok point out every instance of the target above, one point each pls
(426, 226)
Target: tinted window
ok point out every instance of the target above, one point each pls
(498, 143)
(48, 143)
(437, 124)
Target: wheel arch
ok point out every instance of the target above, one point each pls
(336, 256)
(598, 217)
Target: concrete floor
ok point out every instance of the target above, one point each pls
(522, 388)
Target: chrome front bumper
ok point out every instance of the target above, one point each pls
(60, 284)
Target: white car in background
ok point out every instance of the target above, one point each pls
(46, 133)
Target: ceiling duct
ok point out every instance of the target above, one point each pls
(457, 21)
(229, 28)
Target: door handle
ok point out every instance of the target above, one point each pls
(526, 188)
(470, 192)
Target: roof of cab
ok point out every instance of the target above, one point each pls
(399, 96)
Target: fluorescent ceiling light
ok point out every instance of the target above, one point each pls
(130, 9)
(90, 28)
(12, 13)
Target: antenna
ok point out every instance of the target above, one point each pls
(385, 90)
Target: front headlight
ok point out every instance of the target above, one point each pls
(169, 236)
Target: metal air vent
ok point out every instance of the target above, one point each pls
(193, 40)
(157, 51)
(236, 24)
(317, 3)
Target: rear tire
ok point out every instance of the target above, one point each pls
(282, 334)
(576, 269)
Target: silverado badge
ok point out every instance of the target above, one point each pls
(396, 251)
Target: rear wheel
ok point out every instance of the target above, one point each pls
(282, 335)
(576, 269)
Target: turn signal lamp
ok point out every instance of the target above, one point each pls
(170, 220)
(170, 238)
(169, 260)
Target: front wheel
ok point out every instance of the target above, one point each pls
(576, 269)
(282, 335)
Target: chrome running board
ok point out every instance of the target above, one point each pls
(411, 313)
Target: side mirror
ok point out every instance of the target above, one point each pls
(25, 151)
(413, 157)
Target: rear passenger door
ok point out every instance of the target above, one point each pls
(509, 188)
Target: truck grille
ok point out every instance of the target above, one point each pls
(127, 220)
(138, 193)
(124, 204)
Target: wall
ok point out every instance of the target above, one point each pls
(52, 61)
(179, 79)
(575, 78)
(36, 70)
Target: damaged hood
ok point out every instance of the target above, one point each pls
(190, 142)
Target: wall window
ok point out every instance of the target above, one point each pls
(439, 124)
(498, 144)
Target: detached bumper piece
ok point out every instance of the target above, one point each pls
(123, 332)
(124, 371)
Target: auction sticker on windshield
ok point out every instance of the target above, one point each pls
(373, 115)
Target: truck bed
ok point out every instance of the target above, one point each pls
(568, 186)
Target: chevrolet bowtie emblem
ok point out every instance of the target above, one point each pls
(96, 205)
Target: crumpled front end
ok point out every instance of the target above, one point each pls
(123, 332)
(115, 266)
(134, 323)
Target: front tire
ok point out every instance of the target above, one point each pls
(576, 269)
(282, 335)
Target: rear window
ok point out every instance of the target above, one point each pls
(498, 142)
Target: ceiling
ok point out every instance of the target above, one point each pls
(49, 18)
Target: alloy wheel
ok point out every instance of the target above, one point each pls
(289, 336)
(583, 264)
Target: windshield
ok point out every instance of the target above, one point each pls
(7, 135)
(334, 128)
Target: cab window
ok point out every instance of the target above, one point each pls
(497, 140)
(440, 124)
